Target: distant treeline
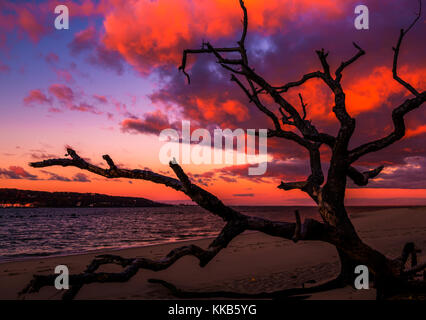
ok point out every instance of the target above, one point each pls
(27, 198)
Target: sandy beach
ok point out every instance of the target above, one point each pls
(253, 262)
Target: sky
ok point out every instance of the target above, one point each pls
(110, 84)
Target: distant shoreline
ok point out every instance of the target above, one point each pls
(16, 198)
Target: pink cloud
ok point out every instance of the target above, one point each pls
(36, 96)
(30, 24)
(85, 107)
(62, 92)
(100, 98)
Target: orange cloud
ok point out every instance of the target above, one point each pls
(362, 95)
(214, 111)
(415, 132)
(150, 33)
(372, 91)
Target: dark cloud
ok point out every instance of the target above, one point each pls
(80, 177)
(55, 177)
(15, 172)
(87, 41)
(152, 123)
(410, 175)
(289, 170)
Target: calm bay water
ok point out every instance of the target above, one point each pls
(35, 232)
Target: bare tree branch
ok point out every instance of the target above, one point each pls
(396, 54)
(303, 106)
(362, 179)
(399, 112)
(306, 77)
(197, 194)
(349, 62)
(182, 67)
(399, 129)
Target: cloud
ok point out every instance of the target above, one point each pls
(374, 89)
(410, 175)
(416, 131)
(85, 107)
(291, 169)
(66, 97)
(81, 177)
(228, 179)
(277, 170)
(88, 41)
(83, 40)
(30, 23)
(41, 155)
(243, 194)
(152, 123)
(62, 92)
(15, 172)
(100, 99)
(144, 34)
(55, 177)
(36, 96)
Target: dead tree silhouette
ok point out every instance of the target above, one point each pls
(391, 276)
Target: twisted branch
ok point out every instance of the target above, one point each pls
(236, 224)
